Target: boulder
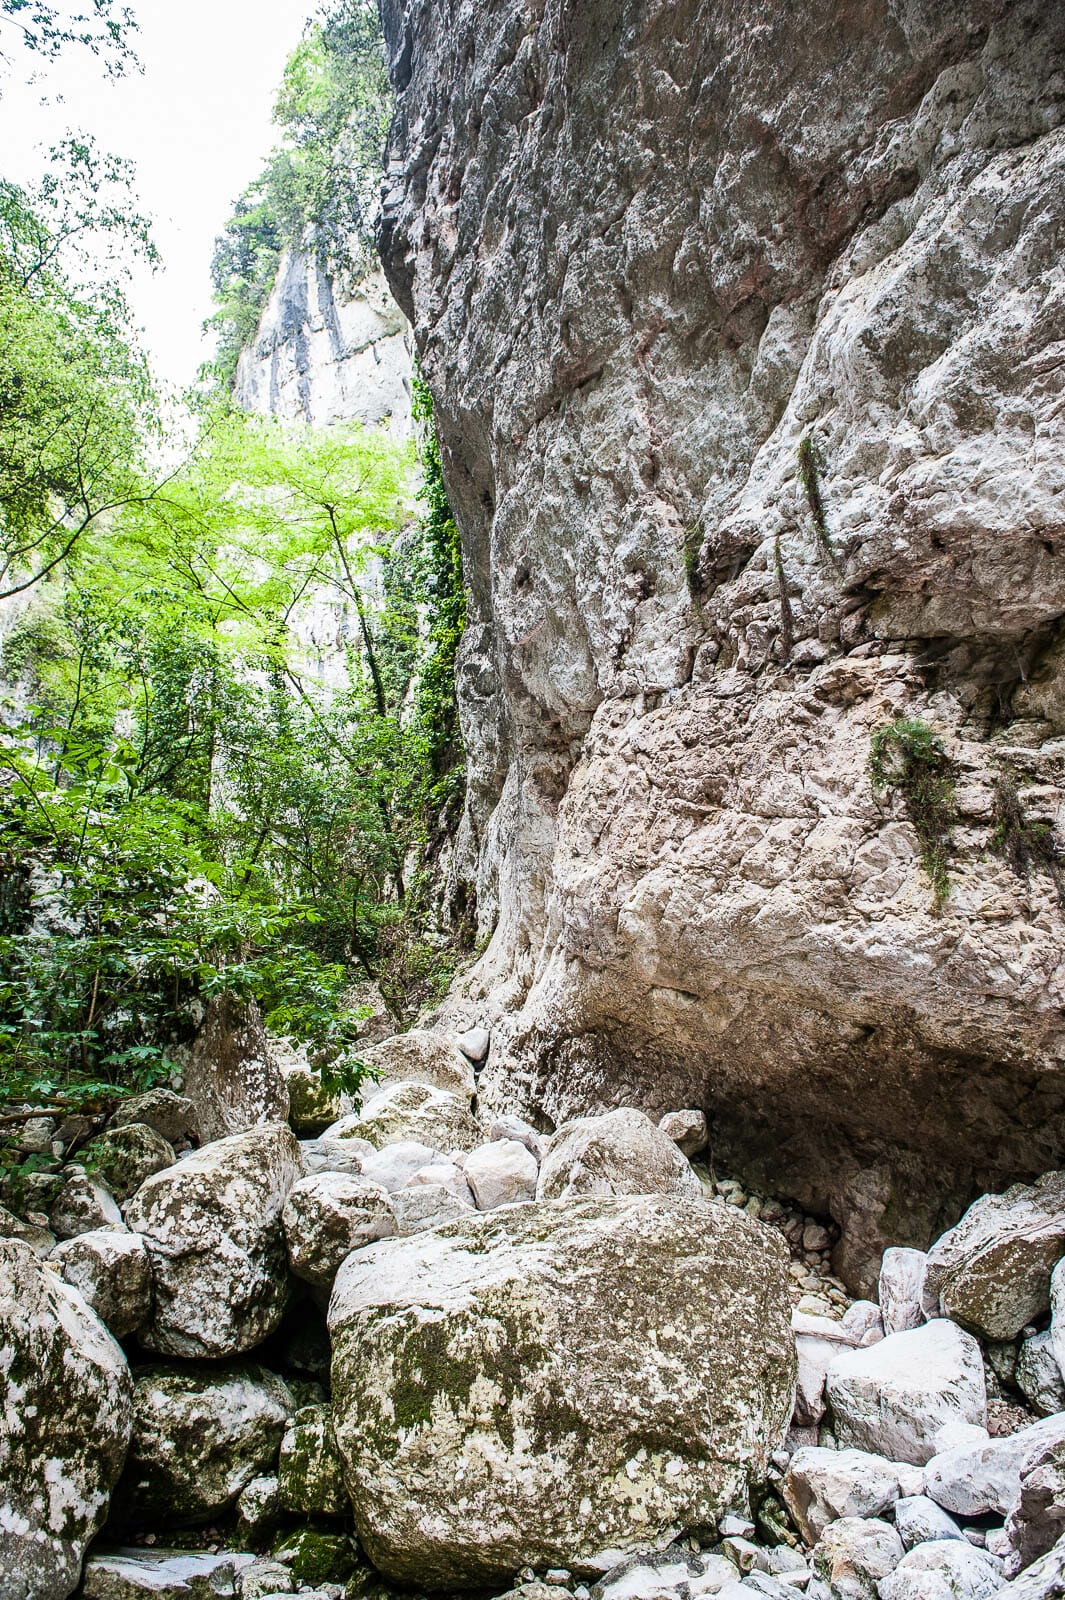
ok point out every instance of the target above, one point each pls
(671, 1572)
(502, 1173)
(443, 1174)
(395, 1165)
(687, 1129)
(515, 1128)
(992, 1271)
(200, 1433)
(419, 1112)
(918, 1520)
(902, 1275)
(862, 1321)
(82, 1204)
(421, 1057)
(259, 1510)
(947, 1569)
(311, 1106)
(65, 1393)
(1044, 1580)
(124, 1157)
(534, 1384)
(233, 1076)
(111, 1273)
(327, 1216)
(309, 1473)
(895, 1397)
(1038, 1375)
(329, 1153)
(974, 1479)
(172, 1115)
(474, 1044)
(822, 1485)
(428, 1205)
(40, 1240)
(1036, 1518)
(853, 1554)
(212, 1227)
(621, 1152)
(136, 1574)
(1057, 1315)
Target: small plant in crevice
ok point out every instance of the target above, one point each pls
(809, 472)
(1022, 842)
(786, 629)
(908, 756)
(690, 553)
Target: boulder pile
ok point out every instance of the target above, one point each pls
(427, 1346)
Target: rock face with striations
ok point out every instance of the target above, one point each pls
(741, 324)
(532, 1385)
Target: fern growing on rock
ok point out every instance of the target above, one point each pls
(908, 756)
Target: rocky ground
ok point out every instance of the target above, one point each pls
(418, 1349)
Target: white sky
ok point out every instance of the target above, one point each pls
(197, 125)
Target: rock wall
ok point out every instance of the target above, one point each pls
(327, 351)
(648, 249)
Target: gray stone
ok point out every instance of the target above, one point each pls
(992, 1272)
(426, 1206)
(123, 1157)
(40, 1240)
(1038, 1375)
(621, 1152)
(200, 1433)
(232, 1075)
(212, 1227)
(1057, 1319)
(65, 1399)
(901, 1280)
(421, 1056)
(1044, 1580)
(853, 1554)
(918, 1520)
(474, 1043)
(328, 1215)
(972, 1480)
(309, 1470)
(419, 1113)
(687, 1129)
(486, 1423)
(172, 1115)
(862, 1320)
(84, 1204)
(943, 1570)
(133, 1574)
(259, 1509)
(1036, 1518)
(395, 1165)
(111, 1273)
(502, 1173)
(896, 1397)
(443, 1174)
(515, 1128)
(821, 1485)
(329, 1153)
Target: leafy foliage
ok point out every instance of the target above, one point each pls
(809, 472)
(1024, 843)
(907, 755)
(45, 30)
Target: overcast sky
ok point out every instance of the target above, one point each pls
(197, 125)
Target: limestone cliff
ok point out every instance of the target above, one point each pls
(648, 250)
(326, 350)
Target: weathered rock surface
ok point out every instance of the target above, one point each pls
(233, 1075)
(1037, 1517)
(40, 1240)
(822, 1485)
(65, 1394)
(502, 1173)
(670, 1573)
(327, 1216)
(974, 1479)
(896, 1398)
(1057, 1318)
(110, 1271)
(684, 239)
(82, 1204)
(123, 1157)
(918, 1519)
(853, 1554)
(395, 1165)
(944, 1570)
(487, 1421)
(1044, 1580)
(200, 1433)
(310, 1476)
(420, 1113)
(687, 1129)
(1038, 1375)
(901, 1281)
(992, 1272)
(172, 1115)
(421, 1056)
(165, 1574)
(621, 1152)
(212, 1228)
(427, 1205)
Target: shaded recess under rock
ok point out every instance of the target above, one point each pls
(740, 323)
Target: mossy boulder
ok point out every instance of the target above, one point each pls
(328, 1215)
(124, 1157)
(421, 1056)
(200, 1434)
(314, 1556)
(310, 1475)
(65, 1392)
(418, 1112)
(532, 1385)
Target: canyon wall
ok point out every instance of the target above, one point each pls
(648, 250)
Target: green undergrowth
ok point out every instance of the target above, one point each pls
(809, 472)
(908, 757)
(1024, 844)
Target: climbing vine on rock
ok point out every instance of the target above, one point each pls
(909, 757)
(809, 472)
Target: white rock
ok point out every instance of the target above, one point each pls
(212, 1227)
(329, 1153)
(110, 1271)
(1044, 1580)
(1038, 1375)
(164, 1575)
(647, 1577)
(420, 1112)
(687, 1129)
(853, 1554)
(501, 1174)
(1036, 1519)
(822, 1485)
(901, 1279)
(1057, 1318)
(918, 1519)
(443, 1175)
(328, 1215)
(515, 1128)
(65, 1392)
(861, 1319)
(82, 1205)
(894, 1398)
(421, 1056)
(474, 1043)
(809, 1389)
(430, 1205)
(972, 1480)
(621, 1152)
(395, 1165)
(947, 1569)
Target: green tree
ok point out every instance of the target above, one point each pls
(45, 30)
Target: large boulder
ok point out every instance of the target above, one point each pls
(1036, 1519)
(502, 1173)
(947, 1569)
(854, 1554)
(172, 1115)
(233, 1075)
(124, 1157)
(65, 1394)
(821, 1485)
(110, 1271)
(328, 1215)
(531, 1385)
(972, 1480)
(200, 1433)
(419, 1112)
(621, 1152)
(212, 1227)
(992, 1271)
(421, 1056)
(898, 1396)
